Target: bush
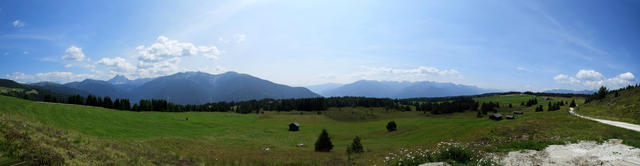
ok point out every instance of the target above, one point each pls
(453, 153)
(323, 144)
(391, 126)
(355, 147)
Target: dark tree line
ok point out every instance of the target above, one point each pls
(302, 104)
(485, 108)
(539, 108)
(530, 102)
(459, 104)
(554, 106)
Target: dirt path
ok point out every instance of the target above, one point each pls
(629, 126)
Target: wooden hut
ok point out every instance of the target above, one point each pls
(496, 116)
(294, 126)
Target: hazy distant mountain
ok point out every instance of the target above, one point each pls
(122, 80)
(184, 88)
(199, 88)
(98, 87)
(59, 88)
(119, 79)
(566, 91)
(322, 88)
(392, 89)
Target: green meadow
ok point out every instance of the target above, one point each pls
(218, 138)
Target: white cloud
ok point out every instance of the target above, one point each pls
(117, 64)
(589, 75)
(165, 49)
(211, 52)
(163, 56)
(421, 73)
(25, 52)
(68, 66)
(20, 77)
(239, 38)
(60, 77)
(18, 24)
(592, 79)
(522, 69)
(73, 53)
(621, 80)
(566, 79)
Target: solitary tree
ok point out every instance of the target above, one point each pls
(323, 144)
(573, 103)
(391, 126)
(355, 147)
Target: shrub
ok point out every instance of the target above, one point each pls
(391, 126)
(323, 144)
(355, 147)
(453, 153)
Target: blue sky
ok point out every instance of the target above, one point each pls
(507, 45)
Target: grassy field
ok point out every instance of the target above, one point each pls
(241, 139)
(625, 107)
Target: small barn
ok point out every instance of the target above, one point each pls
(496, 116)
(294, 126)
(509, 117)
(517, 112)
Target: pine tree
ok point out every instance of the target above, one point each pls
(323, 144)
(356, 146)
(573, 103)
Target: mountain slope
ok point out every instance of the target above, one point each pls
(323, 88)
(98, 87)
(59, 88)
(391, 89)
(566, 91)
(623, 107)
(199, 88)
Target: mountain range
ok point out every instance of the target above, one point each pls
(566, 91)
(183, 88)
(200, 88)
(394, 89)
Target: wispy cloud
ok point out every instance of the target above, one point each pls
(59, 77)
(421, 73)
(18, 23)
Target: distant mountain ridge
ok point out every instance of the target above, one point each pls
(404, 89)
(184, 88)
(566, 91)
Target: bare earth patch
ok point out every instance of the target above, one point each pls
(612, 152)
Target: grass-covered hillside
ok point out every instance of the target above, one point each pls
(620, 105)
(52, 133)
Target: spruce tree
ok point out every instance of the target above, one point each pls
(323, 144)
(573, 103)
(356, 146)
